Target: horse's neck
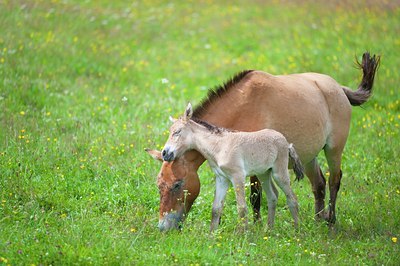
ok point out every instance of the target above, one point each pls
(194, 159)
(221, 113)
(224, 112)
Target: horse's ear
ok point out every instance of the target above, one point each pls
(188, 112)
(155, 154)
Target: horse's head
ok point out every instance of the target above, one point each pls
(178, 185)
(179, 140)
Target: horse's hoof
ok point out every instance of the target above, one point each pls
(321, 216)
(330, 219)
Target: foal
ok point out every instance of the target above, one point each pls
(233, 155)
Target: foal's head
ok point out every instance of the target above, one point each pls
(179, 136)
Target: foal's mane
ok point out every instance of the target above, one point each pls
(212, 128)
(218, 92)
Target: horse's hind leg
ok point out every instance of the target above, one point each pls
(334, 158)
(317, 179)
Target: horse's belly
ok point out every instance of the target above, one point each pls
(307, 129)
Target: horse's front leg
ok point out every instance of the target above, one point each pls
(255, 197)
(238, 184)
(222, 185)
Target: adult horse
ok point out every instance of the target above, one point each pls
(311, 110)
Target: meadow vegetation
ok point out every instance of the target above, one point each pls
(86, 86)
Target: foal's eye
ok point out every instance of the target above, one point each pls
(176, 133)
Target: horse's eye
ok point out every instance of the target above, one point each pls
(177, 185)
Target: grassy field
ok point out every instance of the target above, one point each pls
(87, 85)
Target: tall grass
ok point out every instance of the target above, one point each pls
(87, 85)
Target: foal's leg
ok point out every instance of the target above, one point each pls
(272, 197)
(238, 184)
(318, 183)
(281, 177)
(222, 185)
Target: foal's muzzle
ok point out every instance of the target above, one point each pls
(167, 155)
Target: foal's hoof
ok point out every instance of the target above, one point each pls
(241, 228)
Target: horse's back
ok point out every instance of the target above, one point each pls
(304, 107)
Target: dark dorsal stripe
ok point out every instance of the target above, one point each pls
(218, 92)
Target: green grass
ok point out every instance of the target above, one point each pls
(81, 96)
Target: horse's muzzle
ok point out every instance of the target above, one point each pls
(167, 155)
(170, 221)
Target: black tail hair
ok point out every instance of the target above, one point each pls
(369, 65)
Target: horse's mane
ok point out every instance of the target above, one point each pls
(218, 92)
(212, 128)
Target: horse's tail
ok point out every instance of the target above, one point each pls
(297, 166)
(369, 65)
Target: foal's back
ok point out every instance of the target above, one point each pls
(257, 151)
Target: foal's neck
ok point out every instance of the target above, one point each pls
(205, 141)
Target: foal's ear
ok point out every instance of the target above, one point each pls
(188, 112)
(155, 154)
(173, 120)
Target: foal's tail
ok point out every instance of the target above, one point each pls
(297, 166)
(369, 65)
